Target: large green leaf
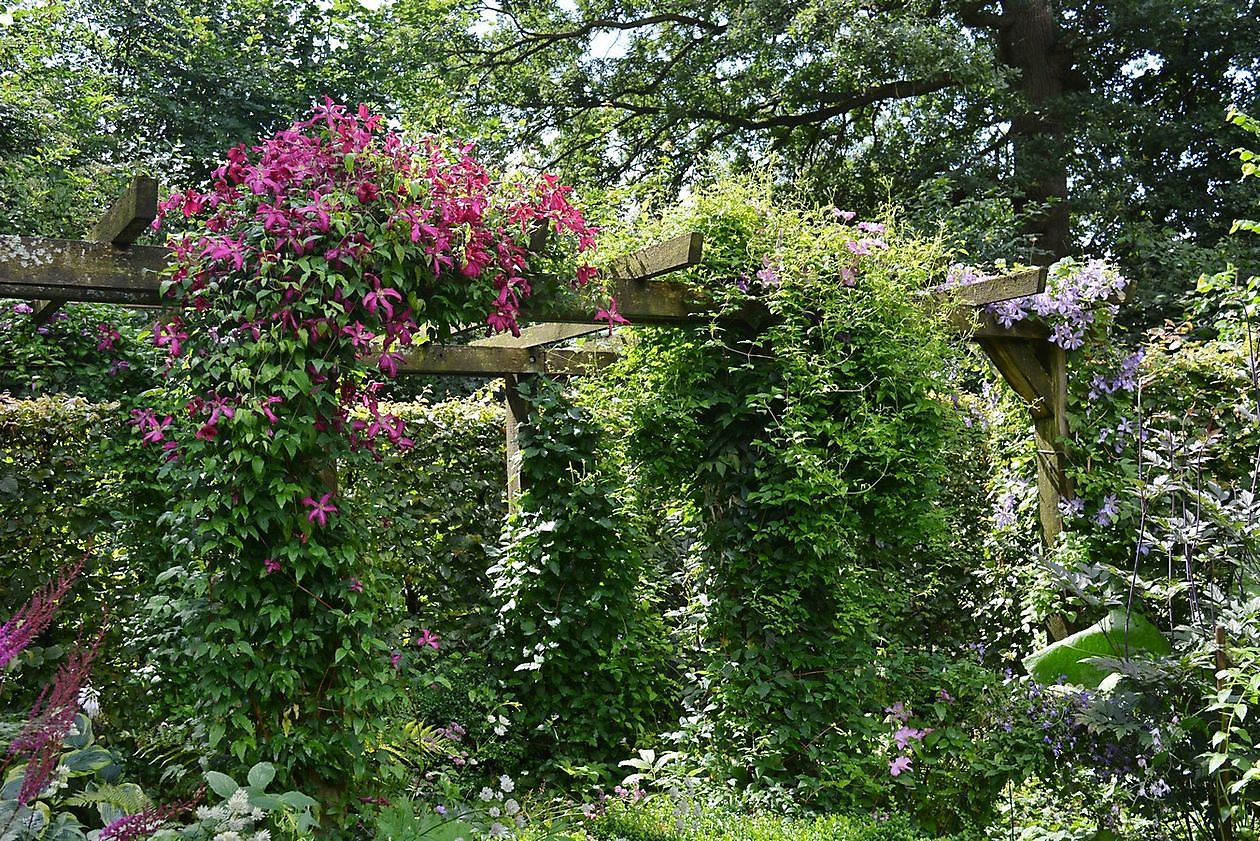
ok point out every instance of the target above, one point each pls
(1112, 636)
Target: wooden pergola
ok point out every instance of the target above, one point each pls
(107, 267)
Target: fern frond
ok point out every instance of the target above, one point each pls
(128, 798)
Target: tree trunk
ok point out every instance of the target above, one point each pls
(1031, 42)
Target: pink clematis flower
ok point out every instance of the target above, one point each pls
(611, 315)
(898, 765)
(428, 638)
(319, 509)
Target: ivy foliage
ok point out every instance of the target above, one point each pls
(579, 629)
(809, 435)
(436, 509)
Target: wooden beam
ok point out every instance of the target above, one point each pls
(1018, 364)
(78, 270)
(995, 289)
(129, 216)
(472, 360)
(984, 325)
(123, 223)
(678, 253)
(517, 412)
(1049, 431)
(547, 333)
(638, 297)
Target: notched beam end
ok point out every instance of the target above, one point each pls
(681, 252)
(129, 216)
(993, 290)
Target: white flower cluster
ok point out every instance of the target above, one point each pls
(499, 806)
(234, 819)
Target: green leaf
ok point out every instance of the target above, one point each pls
(87, 761)
(261, 775)
(221, 784)
(1106, 638)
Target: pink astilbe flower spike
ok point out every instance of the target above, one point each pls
(34, 616)
(50, 719)
(145, 823)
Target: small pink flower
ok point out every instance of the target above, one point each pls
(611, 315)
(265, 407)
(395, 658)
(271, 565)
(356, 585)
(428, 638)
(320, 510)
(898, 765)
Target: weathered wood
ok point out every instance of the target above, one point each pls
(547, 333)
(1023, 371)
(472, 360)
(678, 253)
(630, 283)
(78, 270)
(985, 325)
(998, 288)
(126, 219)
(129, 216)
(1049, 432)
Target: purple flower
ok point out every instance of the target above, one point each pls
(1073, 507)
(23, 309)
(899, 765)
(905, 735)
(1107, 513)
(843, 215)
(428, 638)
(394, 658)
(769, 274)
(271, 565)
(355, 585)
(899, 712)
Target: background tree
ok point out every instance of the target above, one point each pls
(1079, 126)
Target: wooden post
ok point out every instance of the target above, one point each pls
(1049, 431)
(517, 413)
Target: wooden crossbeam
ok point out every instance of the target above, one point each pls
(129, 216)
(473, 360)
(536, 335)
(78, 270)
(121, 225)
(997, 288)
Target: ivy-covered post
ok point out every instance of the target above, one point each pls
(298, 279)
(518, 409)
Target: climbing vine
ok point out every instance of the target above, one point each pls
(794, 432)
(299, 277)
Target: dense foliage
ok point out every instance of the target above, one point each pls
(785, 562)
